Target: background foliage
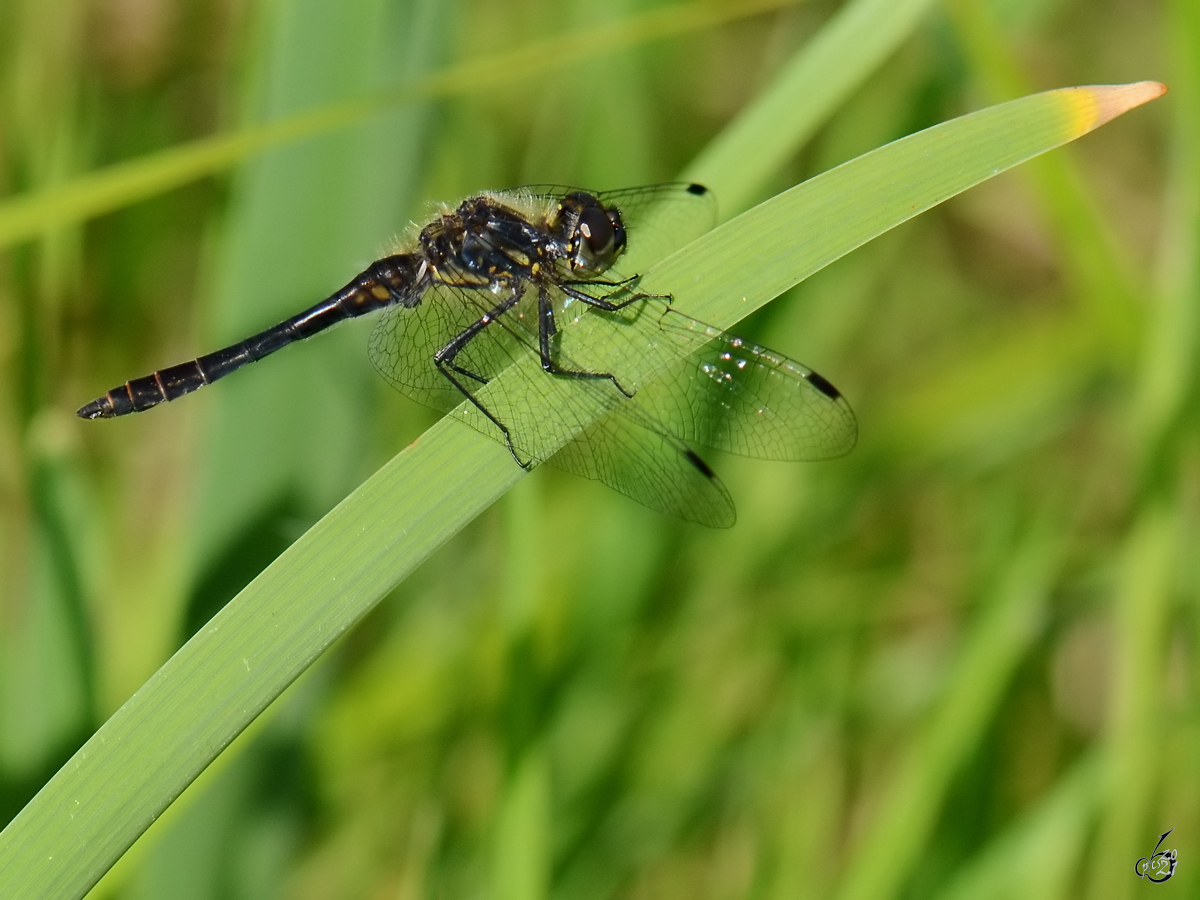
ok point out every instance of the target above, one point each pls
(958, 663)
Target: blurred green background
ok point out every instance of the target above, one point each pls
(959, 663)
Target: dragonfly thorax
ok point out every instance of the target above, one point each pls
(488, 244)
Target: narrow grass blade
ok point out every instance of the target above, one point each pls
(120, 185)
(1136, 718)
(148, 752)
(998, 641)
(803, 229)
(1098, 267)
(303, 218)
(1037, 856)
(819, 78)
(1169, 358)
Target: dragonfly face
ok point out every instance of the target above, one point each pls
(593, 235)
(481, 290)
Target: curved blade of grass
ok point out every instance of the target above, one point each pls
(152, 748)
(814, 83)
(809, 226)
(125, 183)
(1098, 265)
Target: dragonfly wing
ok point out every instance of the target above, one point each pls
(736, 396)
(625, 452)
(532, 404)
(403, 343)
(659, 219)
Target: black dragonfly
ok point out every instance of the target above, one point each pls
(544, 281)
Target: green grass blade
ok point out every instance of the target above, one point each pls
(1141, 624)
(129, 182)
(149, 751)
(815, 83)
(1098, 265)
(1037, 855)
(998, 641)
(303, 218)
(804, 229)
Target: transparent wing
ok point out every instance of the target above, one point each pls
(742, 398)
(725, 393)
(660, 219)
(626, 452)
(403, 343)
(624, 448)
(531, 404)
(722, 391)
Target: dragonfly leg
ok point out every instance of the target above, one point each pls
(604, 303)
(604, 282)
(546, 330)
(444, 360)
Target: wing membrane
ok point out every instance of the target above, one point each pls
(736, 396)
(660, 220)
(728, 394)
(403, 343)
(656, 469)
(723, 391)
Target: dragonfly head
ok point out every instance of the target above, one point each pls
(593, 234)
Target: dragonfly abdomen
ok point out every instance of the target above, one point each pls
(387, 281)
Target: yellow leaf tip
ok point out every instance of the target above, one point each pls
(1108, 101)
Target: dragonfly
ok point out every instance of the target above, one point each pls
(520, 311)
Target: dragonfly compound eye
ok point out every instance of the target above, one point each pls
(594, 235)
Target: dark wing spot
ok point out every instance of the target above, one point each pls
(821, 384)
(700, 464)
(698, 189)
